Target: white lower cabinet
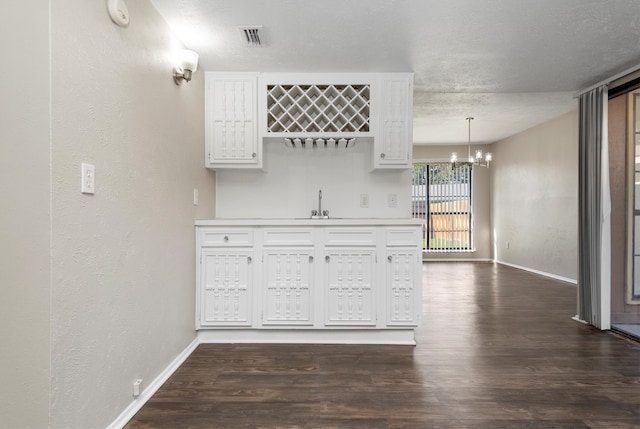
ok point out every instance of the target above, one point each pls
(350, 288)
(226, 287)
(288, 287)
(321, 279)
(403, 294)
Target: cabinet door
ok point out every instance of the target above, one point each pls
(231, 125)
(394, 142)
(350, 287)
(226, 283)
(288, 287)
(404, 291)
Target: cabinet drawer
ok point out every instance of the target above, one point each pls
(403, 236)
(288, 237)
(226, 237)
(350, 237)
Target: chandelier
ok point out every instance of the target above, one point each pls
(472, 160)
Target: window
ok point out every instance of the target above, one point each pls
(442, 196)
(633, 280)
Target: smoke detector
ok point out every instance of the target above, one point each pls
(251, 36)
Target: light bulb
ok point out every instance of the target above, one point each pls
(489, 157)
(188, 60)
(454, 157)
(478, 154)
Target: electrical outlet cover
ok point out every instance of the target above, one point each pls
(88, 184)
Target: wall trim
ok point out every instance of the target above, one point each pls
(153, 387)
(542, 273)
(307, 336)
(456, 260)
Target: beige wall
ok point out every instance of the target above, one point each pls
(96, 290)
(123, 259)
(481, 200)
(535, 197)
(24, 235)
(289, 185)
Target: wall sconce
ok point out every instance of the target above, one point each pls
(187, 64)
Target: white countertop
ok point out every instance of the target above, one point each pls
(311, 222)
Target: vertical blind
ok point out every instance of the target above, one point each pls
(442, 196)
(594, 223)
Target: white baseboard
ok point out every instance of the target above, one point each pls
(456, 259)
(153, 387)
(579, 320)
(542, 273)
(308, 336)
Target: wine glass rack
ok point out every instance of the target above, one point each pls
(318, 108)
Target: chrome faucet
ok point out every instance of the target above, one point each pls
(319, 214)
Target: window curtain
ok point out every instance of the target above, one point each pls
(594, 229)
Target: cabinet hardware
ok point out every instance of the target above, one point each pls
(226, 239)
(390, 258)
(249, 259)
(382, 155)
(327, 258)
(253, 155)
(310, 258)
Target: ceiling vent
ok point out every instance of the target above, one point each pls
(251, 36)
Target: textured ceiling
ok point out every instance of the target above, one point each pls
(511, 64)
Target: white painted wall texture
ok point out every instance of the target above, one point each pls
(25, 232)
(123, 259)
(289, 185)
(96, 290)
(535, 197)
(481, 200)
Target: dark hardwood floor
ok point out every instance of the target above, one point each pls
(497, 349)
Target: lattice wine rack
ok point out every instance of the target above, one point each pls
(318, 108)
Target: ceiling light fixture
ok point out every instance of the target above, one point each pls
(187, 64)
(472, 160)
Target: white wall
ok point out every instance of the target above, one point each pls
(24, 217)
(123, 259)
(481, 199)
(289, 185)
(535, 197)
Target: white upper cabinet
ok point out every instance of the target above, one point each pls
(231, 126)
(314, 109)
(393, 144)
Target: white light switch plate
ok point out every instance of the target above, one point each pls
(364, 201)
(88, 184)
(393, 200)
(195, 196)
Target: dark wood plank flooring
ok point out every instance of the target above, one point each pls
(497, 349)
